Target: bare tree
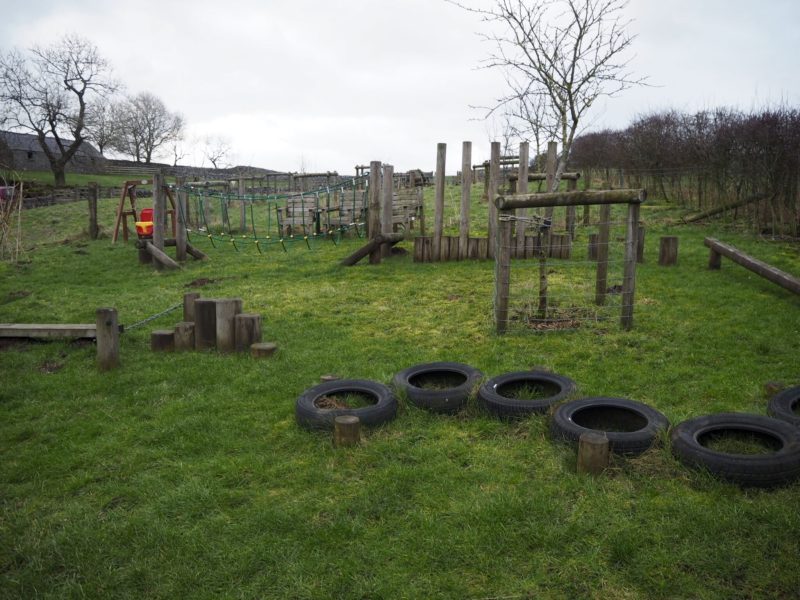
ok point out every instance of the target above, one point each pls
(217, 150)
(101, 122)
(144, 126)
(565, 53)
(49, 93)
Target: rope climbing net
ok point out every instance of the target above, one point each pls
(263, 221)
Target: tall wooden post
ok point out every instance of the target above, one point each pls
(572, 185)
(180, 231)
(374, 223)
(466, 190)
(107, 335)
(629, 277)
(601, 283)
(242, 207)
(438, 206)
(486, 171)
(502, 269)
(159, 211)
(522, 188)
(386, 207)
(492, 182)
(93, 194)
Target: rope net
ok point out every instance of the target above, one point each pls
(260, 222)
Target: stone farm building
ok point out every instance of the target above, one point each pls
(23, 152)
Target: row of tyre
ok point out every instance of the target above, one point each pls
(630, 426)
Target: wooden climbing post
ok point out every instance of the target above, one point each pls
(386, 207)
(492, 182)
(601, 281)
(522, 188)
(159, 211)
(180, 231)
(466, 190)
(629, 276)
(668, 251)
(107, 335)
(438, 206)
(374, 223)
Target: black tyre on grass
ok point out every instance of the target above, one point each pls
(501, 396)
(784, 406)
(630, 426)
(313, 407)
(777, 464)
(442, 387)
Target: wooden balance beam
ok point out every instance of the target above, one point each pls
(720, 249)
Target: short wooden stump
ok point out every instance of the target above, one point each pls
(162, 340)
(593, 453)
(263, 349)
(346, 431)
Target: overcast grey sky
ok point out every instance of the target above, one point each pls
(329, 84)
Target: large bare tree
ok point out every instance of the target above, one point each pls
(558, 54)
(145, 126)
(49, 91)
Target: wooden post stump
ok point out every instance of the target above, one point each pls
(188, 305)
(593, 453)
(162, 340)
(593, 246)
(346, 431)
(107, 332)
(145, 258)
(327, 378)
(227, 309)
(247, 330)
(668, 251)
(205, 323)
(640, 244)
(184, 336)
(262, 350)
(714, 260)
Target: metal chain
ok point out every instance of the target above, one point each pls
(154, 317)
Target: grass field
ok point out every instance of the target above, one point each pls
(185, 475)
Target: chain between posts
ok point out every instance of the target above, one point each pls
(154, 317)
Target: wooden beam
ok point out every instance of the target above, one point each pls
(370, 247)
(759, 267)
(511, 202)
(161, 257)
(466, 190)
(438, 205)
(48, 331)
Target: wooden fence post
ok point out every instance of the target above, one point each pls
(107, 335)
(94, 230)
(502, 270)
(492, 183)
(572, 185)
(438, 206)
(629, 275)
(466, 190)
(603, 237)
(374, 222)
(386, 207)
(522, 188)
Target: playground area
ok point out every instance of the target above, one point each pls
(121, 483)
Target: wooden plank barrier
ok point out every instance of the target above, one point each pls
(720, 249)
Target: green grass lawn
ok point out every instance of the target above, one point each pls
(185, 475)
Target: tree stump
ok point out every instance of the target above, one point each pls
(327, 378)
(668, 251)
(184, 336)
(247, 330)
(162, 340)
(205, 323)
(145, 258)
(262, 350)
(593, 453)
(346, 431)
